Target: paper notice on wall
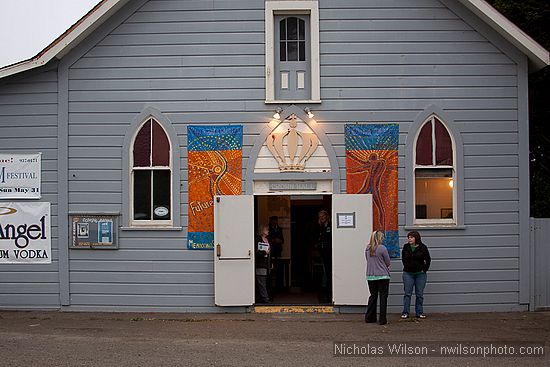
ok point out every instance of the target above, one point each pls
(20, 176)
(25, 233)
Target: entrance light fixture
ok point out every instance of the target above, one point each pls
(277, 114)
(309, 113)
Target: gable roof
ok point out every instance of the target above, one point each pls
(538, 55)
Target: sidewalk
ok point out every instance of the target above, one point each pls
(158, 339)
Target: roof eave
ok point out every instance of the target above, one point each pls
(69, 39)
(538, 55)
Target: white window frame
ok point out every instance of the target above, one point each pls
(272, 8)
(435, 221)
(151, 223)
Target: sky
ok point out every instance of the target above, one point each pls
(28, 26)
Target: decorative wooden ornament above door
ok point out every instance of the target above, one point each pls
(292, 147)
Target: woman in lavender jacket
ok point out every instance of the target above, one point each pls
(378, 277)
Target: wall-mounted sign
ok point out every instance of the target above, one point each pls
(95, 231)
(345, 220)
(20, 176)
(25, 233)
(292, 185)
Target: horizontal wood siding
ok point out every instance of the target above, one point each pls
(28, 124)
(202, 62)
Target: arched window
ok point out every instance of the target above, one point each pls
(151, 176)
(434, 174)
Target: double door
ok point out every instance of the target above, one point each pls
(234, 249)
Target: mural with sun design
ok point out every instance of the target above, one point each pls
(371, 168)
(214, 168)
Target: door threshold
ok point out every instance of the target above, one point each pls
(293, 309)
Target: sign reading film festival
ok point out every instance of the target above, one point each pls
(20, 176)
(214, 168)
(25, 233)
(371, 168)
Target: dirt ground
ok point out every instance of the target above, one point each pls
(146, 339)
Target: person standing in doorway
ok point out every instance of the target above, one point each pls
(416, 262)
(324, 247)
(378, 277)
(262, 263)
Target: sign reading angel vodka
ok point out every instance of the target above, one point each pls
(25, 235)
(20, 176)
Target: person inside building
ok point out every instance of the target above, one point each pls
(416, 262)
(262, 263)
(324, 248)
(276, 239)
(378, 277)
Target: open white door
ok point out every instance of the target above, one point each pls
(234, 250)
(351, 230)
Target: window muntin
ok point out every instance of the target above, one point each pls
(292, 42)
(151, 176)
(434, 175)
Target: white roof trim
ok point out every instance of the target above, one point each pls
(538, 56)
(68, 40)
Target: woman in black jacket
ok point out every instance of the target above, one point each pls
(416, 262)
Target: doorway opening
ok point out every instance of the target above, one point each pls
(300, 271)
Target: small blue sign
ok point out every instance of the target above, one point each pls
(104, 231)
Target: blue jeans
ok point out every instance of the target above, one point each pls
(418, 282)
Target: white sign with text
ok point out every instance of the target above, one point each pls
(20, 176)
(25, 235)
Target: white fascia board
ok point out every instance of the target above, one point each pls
(537, 54)
(67, 41)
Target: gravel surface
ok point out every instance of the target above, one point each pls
(158, 339)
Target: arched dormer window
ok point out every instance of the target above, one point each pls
(434, 174)
(151, 198)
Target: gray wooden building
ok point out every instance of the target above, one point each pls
(444, 71)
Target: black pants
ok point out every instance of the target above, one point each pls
(378, 287)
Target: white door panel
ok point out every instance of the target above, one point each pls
(233, 250)
(348, 248)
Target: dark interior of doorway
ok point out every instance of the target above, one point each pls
(304, 287)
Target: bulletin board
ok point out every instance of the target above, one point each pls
(94, 231)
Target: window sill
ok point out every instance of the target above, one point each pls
(292, 101)
(151, 228)
(434, 226)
